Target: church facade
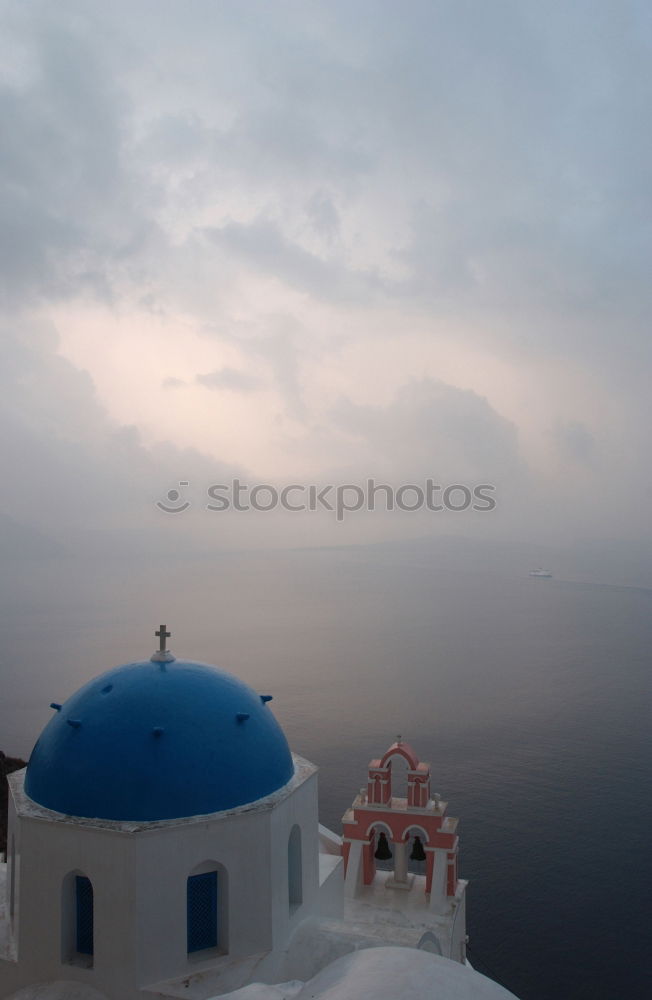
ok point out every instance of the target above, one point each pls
(164, 841)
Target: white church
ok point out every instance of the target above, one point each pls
(164, 841)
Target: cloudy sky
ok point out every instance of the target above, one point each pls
(325, 241)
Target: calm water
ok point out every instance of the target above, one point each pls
(531, 698)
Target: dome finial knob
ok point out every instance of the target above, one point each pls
(162, 654)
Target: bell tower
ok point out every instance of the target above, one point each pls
(407, 833)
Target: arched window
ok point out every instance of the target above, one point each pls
(84, 908)
(429, 943)
(77, 920)
(295, 871)
(206, 908)
(399, 768)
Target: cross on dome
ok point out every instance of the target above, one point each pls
(162, 636)
(162, 654)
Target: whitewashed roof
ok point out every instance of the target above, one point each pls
(384, 974)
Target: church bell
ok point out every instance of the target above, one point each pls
(417, 853)
(382, 852)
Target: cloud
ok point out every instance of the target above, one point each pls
(65, 209)
(229, 379)
(262, 245)
(302, 185)
(71, 474)
(433, 429)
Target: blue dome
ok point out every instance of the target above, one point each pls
(158, 740)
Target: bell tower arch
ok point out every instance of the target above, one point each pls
(384, 827)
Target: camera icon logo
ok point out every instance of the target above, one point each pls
(174, 503)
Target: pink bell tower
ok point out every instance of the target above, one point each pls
(378, 817)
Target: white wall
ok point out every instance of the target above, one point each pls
(239, 844)
(139, 875)
(50, 851)
(300, 809)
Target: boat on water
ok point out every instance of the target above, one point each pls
(540, 572)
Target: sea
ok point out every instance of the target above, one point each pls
(530, 697)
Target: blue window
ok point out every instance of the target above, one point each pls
(202, 911)
(84, 908)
